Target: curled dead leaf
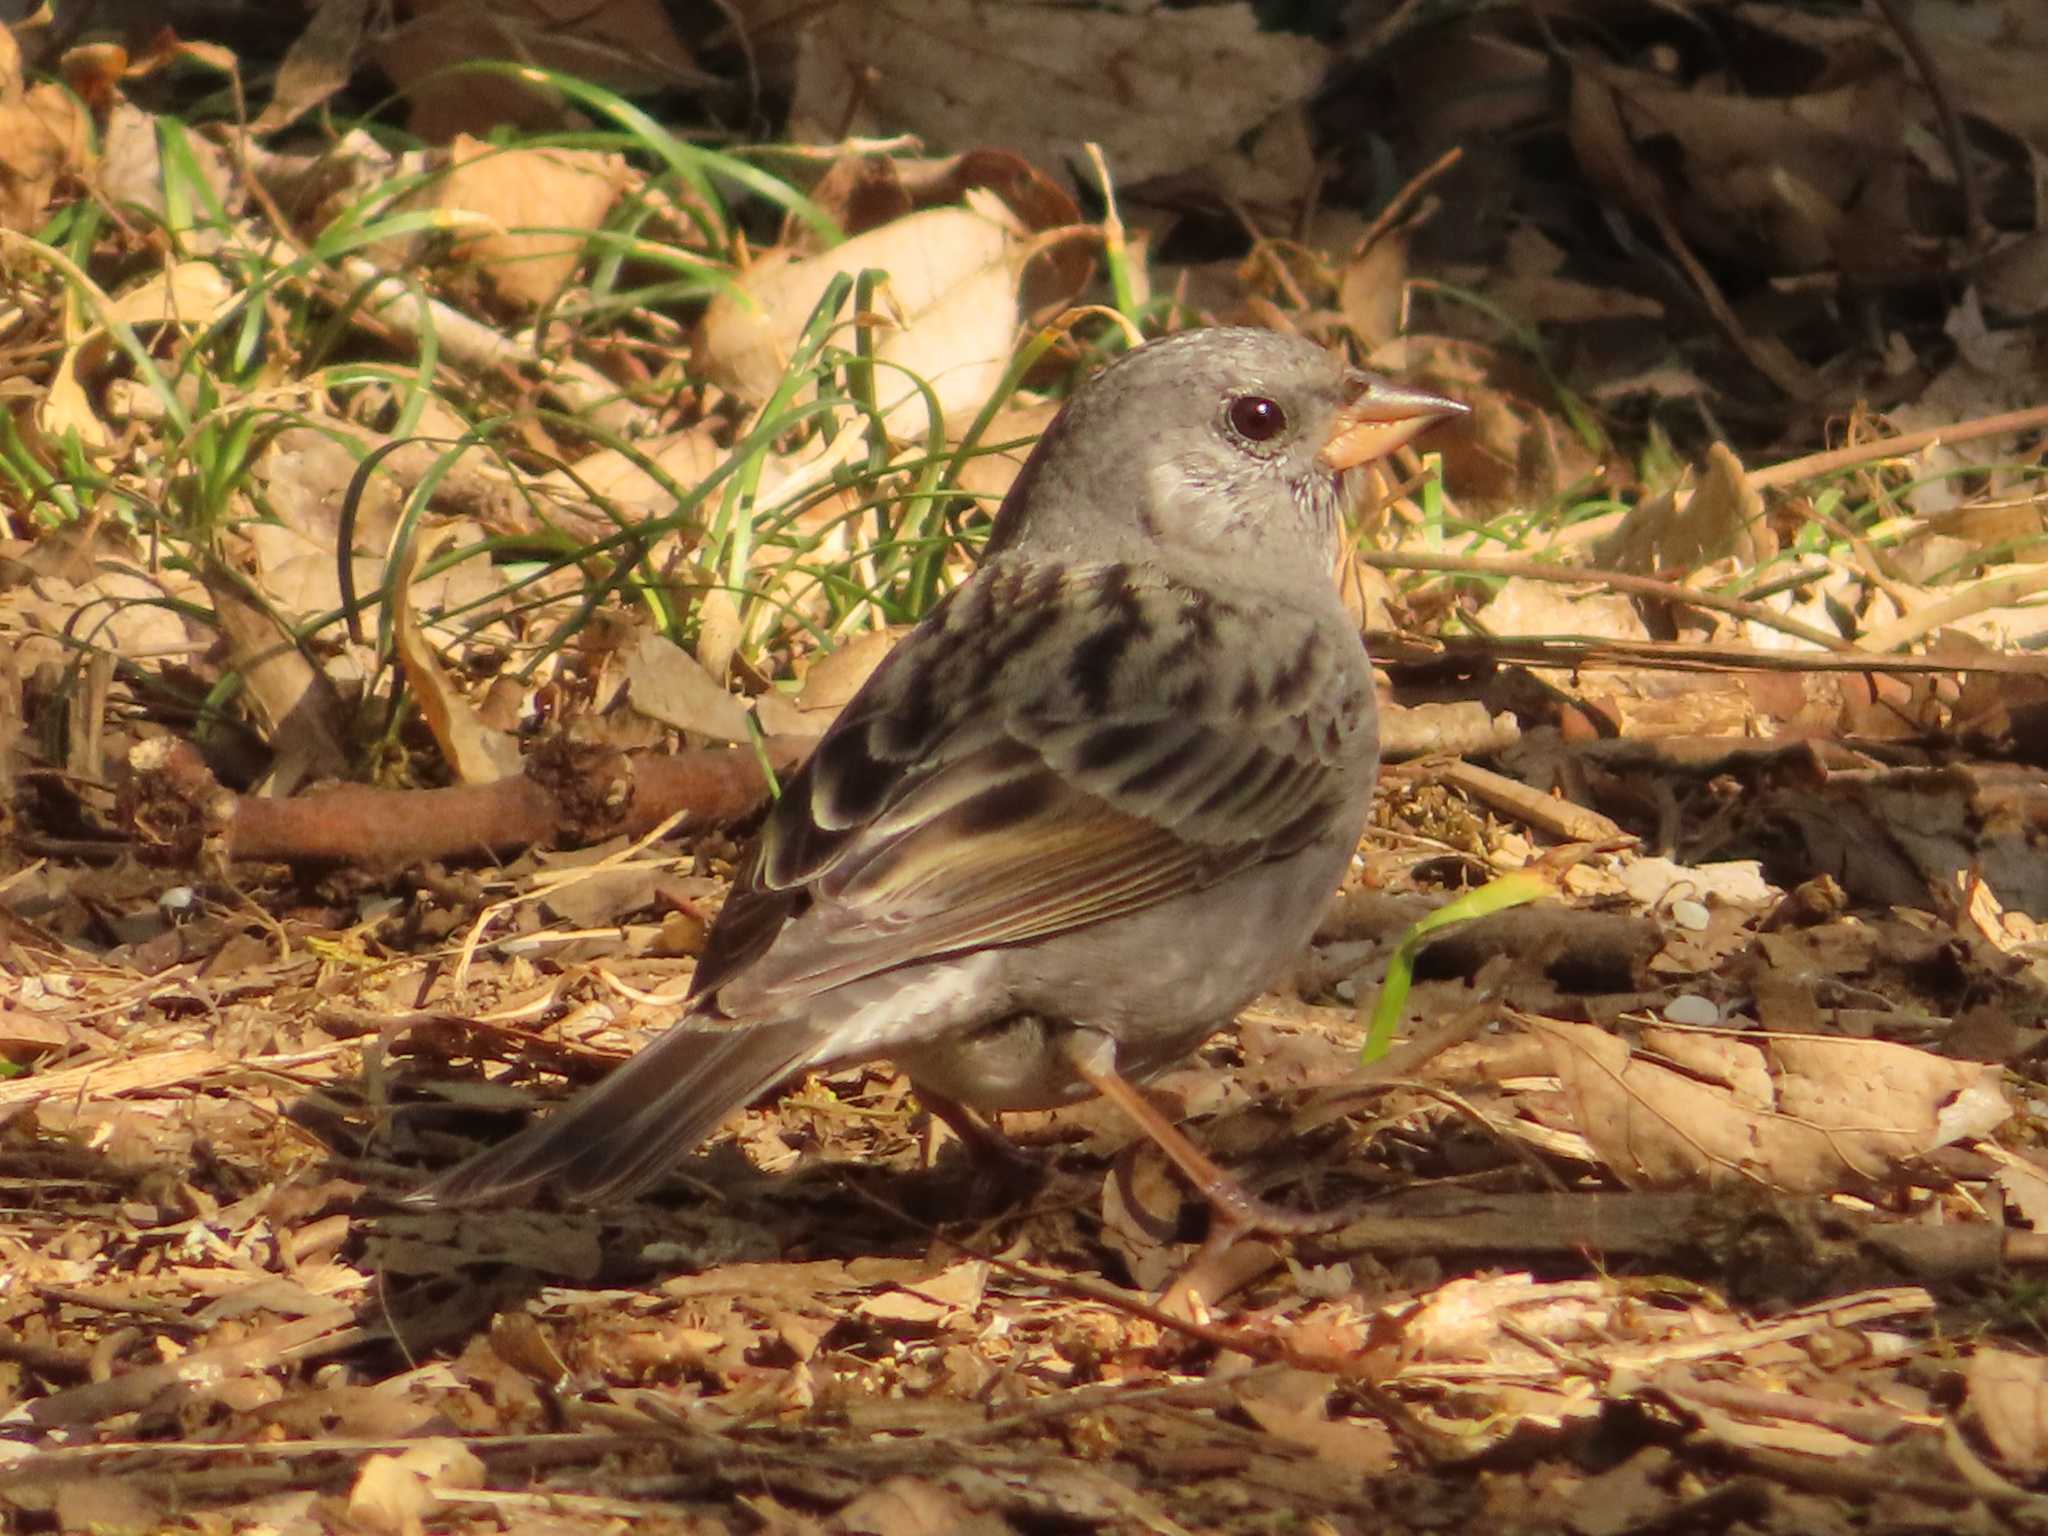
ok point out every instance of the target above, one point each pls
(1805, 1114)
(537, 201)
(475, 753)
(948, 317)
(192, 294)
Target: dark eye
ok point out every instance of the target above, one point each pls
(1257, 419)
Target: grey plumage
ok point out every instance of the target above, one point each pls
(1106, 787)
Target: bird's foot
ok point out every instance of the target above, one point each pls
(1003, 1171)
(1236, 1210)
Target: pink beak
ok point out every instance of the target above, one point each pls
(1383, 417)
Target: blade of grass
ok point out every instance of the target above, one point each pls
(1517, 889)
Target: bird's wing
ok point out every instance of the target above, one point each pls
(1062, 745)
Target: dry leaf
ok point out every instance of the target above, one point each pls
(668, 685)
(626, 45)
(131, 171)
(864, 192)
(1372, 291)
(718, 631)
(1685, 528)
(839, 674)
(318, 63)
(1165, 91)
(192, 294)
(1802, 1114)
(2009, 1400)
(393, 1495)
(1531, 286)
(44, 134)
(908, 1506)
(1294, 1406)
(302, 714)
(950, 312)
(538, 199)
(474, 752)
(623, 479)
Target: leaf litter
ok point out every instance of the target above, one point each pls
(1704, 1193)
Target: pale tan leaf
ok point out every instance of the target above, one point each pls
(625, 480)
(668, 685)
(301, 712)
(475, 753)
(627, 45)
(393, 1495)
(1687, 527)
(44, 134)
(189, 293)
(318, 63)
(1804, 1114)
(535, 200)
(2009, 1400)
(839, 674)
(951, 304)
(718, 631)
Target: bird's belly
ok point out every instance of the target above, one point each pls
(1159, 982)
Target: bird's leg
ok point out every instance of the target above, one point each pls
(987, 1145)
(1092, 1053)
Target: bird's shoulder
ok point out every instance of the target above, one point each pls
(1083, 671)
(1033, 638)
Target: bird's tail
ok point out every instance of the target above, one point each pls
(624, 1134)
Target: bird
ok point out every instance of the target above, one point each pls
(1080, 815)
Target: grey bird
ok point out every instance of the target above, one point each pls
(1082, 814)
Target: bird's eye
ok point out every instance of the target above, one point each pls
(1257, 419)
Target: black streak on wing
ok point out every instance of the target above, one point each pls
(1092, 671)
(1008, 804)
(1112, 744)
(853, 782)
(1311, 824)
(1157, 774)
(1257, 768)
(1289, 692)
(745, 929)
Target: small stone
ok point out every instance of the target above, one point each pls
(1690, 915)
(1692, 1009)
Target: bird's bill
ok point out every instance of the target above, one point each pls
(1383, 417)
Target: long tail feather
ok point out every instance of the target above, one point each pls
(624, 1134)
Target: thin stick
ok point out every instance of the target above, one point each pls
(1806, 467)
(1620, 581)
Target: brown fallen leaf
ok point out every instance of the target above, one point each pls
(669, 685)
(1686, 527)
(44, 134)
(475, 753)
(1799, 1113)
(949, 315)
(1162, 91)
(297, 705)
(541, 202)
(626, 45)
(393, 1495)
(2009, 1402)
